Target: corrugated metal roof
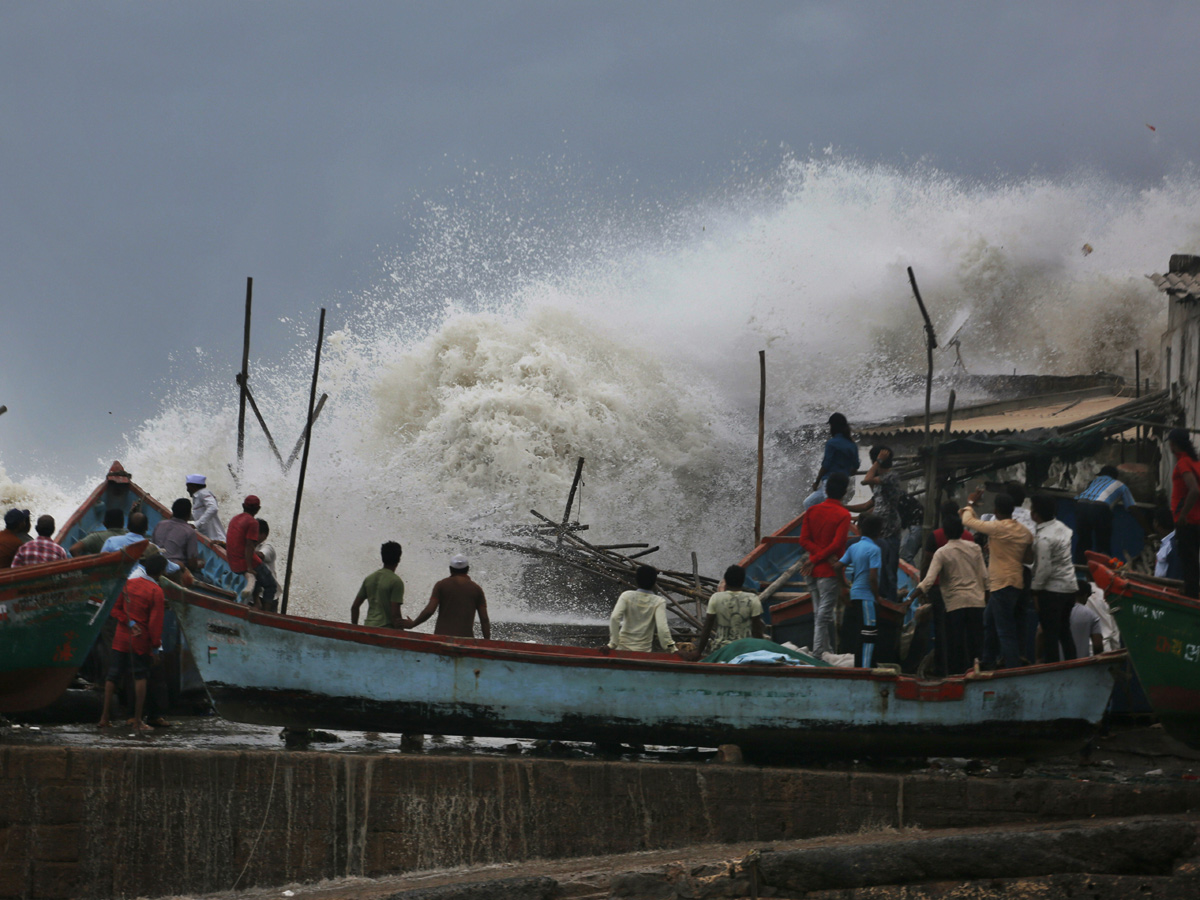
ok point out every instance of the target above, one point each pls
(1028, 418)
(1178, 285)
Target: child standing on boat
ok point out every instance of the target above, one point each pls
(864, 559)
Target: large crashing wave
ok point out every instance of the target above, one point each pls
(516, 339)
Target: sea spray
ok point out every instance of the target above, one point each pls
(466, 382)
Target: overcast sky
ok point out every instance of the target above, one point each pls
(154, 154)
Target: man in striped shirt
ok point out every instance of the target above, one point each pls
(1094, 512)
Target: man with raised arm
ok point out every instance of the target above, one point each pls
(457, 600)
(1008, 540)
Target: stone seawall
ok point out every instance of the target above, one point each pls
(145, 822)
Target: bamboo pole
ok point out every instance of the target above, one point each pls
(312, 398)
(244, 377)
(762, 411)
(571, 499)
(783, 579)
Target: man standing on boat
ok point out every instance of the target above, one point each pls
(638, 615)
(841, 455)
(42, 548)
(823, 534)
(204, 508)
(1054, 583)
(457, 600)
(240, 549)
(957, 572)
(383, 591)
(177, 537)
(864, 559)
(1094, 512)
(1008, 540)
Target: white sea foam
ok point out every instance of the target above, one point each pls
(466, 384)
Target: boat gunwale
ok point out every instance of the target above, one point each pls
(132, 553)
(1131, 588)
(555, 654)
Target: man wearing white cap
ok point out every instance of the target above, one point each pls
(204, 509)
(456, 600)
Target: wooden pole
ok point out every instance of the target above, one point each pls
(249, 395)
(244, 377)
(312, 399)
(571, 499)
(287, 466)
(762, 413)
(1137, 393)
(933, 485)
(696, 582)
(930, 346)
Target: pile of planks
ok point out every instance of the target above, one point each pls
(687, 593)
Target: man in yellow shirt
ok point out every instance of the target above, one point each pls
(1008, 541)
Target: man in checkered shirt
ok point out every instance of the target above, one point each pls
(41, 549)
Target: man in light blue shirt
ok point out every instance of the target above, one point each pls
(863, 559)
(138, 525)
(1094, 513)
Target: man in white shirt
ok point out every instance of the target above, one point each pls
(638, 615)
(1054, 583)
(205, 515)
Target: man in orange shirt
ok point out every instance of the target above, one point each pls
(12, 538)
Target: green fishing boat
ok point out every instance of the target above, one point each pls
(50, 614)
(1161, 629)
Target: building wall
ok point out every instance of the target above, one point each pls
(1180, 361)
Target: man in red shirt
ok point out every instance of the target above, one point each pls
(139, 614)
(823, 534)
(241, 539)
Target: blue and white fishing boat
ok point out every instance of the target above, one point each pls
(268, 669)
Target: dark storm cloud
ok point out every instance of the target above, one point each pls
(154, 154)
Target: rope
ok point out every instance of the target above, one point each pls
(261, 828)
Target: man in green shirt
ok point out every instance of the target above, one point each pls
(114, 524)
(384, 592)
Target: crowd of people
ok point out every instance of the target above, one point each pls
(998, 590)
